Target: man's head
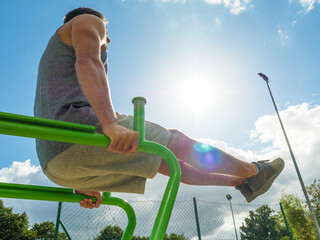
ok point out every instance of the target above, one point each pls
(82, 10)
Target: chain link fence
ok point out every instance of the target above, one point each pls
(215, 219)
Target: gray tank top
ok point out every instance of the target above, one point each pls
(58, 94)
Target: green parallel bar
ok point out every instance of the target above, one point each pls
(35, 188)
(27, 129)
(21, 191)
(164, 213)
(18, 125)
(47, 122)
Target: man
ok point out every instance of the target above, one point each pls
(73, 86)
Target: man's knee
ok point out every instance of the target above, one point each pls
(177, 135)
(179, 142)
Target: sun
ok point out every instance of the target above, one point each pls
(196, 95)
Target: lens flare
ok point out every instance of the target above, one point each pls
(202, 147)
(208, 157)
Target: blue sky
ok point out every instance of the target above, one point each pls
(159, 47)
(196, 62)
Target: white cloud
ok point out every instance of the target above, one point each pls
(302, 121)
(175, 1)
(307, 5)
(283, 37)
(302, 124)
(21, 172)
(214, 1)
(235, 6)
(217, 21)
(26, 173)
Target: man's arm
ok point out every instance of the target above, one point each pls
(87, 35)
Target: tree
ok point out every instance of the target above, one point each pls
(314, 193)
(298, 217)
(115, 233)
(139, 238)
(110, 233)
(46, 231)
(264, 223)
(174, 236)
(14, 225)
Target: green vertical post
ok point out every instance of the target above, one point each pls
(139, 117)
(128, 233)
(169, 197)
(285, 221)
(197, 217)
(56, 233)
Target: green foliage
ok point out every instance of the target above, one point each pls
(298, 217)
(110, 233)
(46, 231)
(115, 233)
(314, 193)
(263, 223)
(174, 236)
(14, 226)
(139, 238)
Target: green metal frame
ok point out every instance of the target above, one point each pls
(285, 221)
(25, 126)
(58, 223)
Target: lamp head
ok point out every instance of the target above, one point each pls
(229, 197)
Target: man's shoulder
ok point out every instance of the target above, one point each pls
(83, 21)
(87, 19)
(87, 23)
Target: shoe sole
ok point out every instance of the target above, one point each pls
(248, 196)
(269, 182)
(250, 199)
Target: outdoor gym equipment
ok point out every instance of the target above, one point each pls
(32, 127)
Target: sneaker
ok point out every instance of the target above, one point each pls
(268, 171)
(258, 184)
(246, 191)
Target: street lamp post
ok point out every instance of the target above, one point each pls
(234, 224)
(313, 216)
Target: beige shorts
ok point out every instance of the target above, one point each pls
(93, 168)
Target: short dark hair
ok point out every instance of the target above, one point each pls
(82, 10)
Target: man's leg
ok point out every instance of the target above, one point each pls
(206, 165)
(208, 159)
(194, 176)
